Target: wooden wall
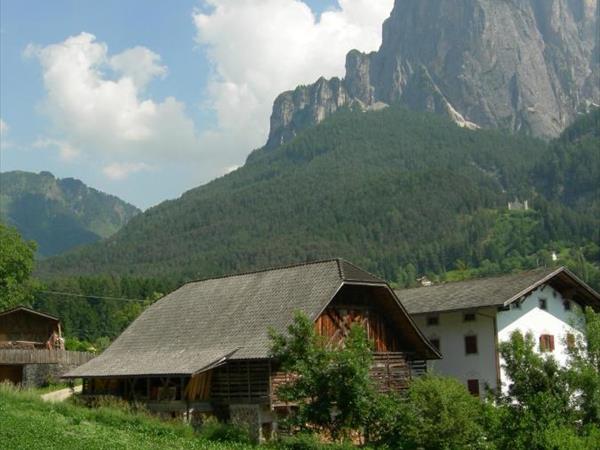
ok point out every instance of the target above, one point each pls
(241, 382)
(357, 305)
(25, 326)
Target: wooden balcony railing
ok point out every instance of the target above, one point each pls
(43, 356)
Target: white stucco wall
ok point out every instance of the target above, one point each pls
(451, 332)
(529, 318)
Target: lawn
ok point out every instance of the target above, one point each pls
(28, 423)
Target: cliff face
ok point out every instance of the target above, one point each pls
(522, 65)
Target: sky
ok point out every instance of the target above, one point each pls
(148, 99)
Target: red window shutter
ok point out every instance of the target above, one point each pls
(470, 344)
(546, 343)
(542, 343)
(473, 387)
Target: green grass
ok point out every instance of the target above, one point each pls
(29, 423)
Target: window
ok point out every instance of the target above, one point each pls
(570, 341)
(470, 345)
(469, 317)
(546, 343)
(516, 305)
(436, 343)
(543, 303)
(473, 387)
(433, 320)
(567, 305)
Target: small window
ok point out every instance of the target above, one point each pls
(436, 343)
(469, 317)
(473, 387)
(433, 320)
(567, 305)
(546, 343)
(543, 303)
(570, 341)
(470, 345)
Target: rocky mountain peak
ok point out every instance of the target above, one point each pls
(523, 65)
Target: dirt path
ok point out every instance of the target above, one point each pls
(59, 396)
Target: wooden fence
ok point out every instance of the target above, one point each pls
(32, 356)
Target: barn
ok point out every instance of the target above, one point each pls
(205, 346)
(32, 351)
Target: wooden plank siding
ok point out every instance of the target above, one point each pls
(242, 382)
(43, 356)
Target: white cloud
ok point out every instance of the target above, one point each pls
(107, 117)
(260, 48)
(140, 64)
(119, 171)
(4, 128)
(66, 150)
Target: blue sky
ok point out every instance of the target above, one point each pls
(146, 99)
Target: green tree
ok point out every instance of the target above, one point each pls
(331, 384)
(539, 409)
(16, 264)
(435, 413)
(584, 370)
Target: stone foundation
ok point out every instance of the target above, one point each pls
(257, 419)
(37, 375)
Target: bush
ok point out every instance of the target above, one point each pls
(213, 430)
(307, 441)
(436, 413)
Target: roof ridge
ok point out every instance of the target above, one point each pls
(266, 269)
(342, 261)
(31, 310)
(493, 277)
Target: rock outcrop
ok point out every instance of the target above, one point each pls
(523, 65)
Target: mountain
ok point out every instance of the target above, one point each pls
(59, 214)
(383, 189)
(521, 65)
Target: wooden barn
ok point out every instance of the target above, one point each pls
(32, 349)
(205, 346)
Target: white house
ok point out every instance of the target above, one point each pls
(466, 320)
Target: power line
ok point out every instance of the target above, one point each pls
(100, 297)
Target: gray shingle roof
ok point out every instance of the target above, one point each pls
(492, 291)
(30, 311)
(202, 322)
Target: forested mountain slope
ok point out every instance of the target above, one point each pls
(59, 214)
(383, 189)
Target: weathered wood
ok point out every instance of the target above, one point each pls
(43, 356)
(241, 381)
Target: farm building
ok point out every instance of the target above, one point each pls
(32, 349)
(205, 346)
(466, 320)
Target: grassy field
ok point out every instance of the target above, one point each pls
(28, 423)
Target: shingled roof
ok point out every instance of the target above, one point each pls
(493, 291)
(25, 309)
(204, 323)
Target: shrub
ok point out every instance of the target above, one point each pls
(213, 430)
(307, 441)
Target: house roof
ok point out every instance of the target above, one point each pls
(30, 311)
(204, 323)
(494, 291)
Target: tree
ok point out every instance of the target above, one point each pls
(16, 265)
(436, 412)
(331, 384)
(540, 408)
(584, 370)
